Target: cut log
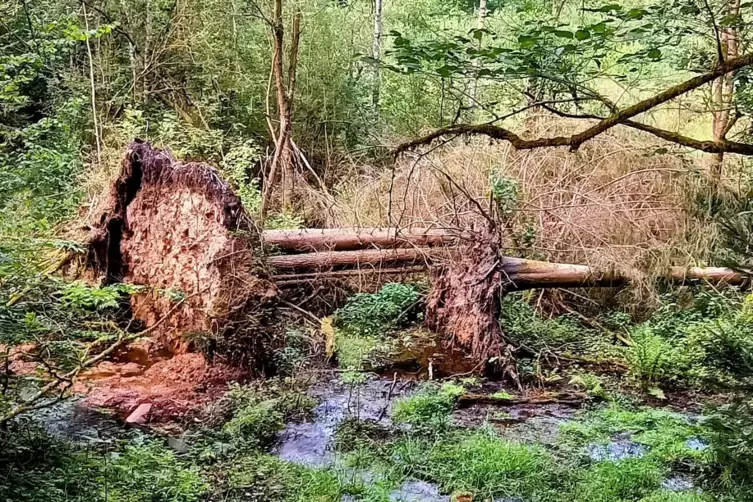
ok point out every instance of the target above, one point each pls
(348, 239)
(518, 272)
(361, 258)
(529, 274)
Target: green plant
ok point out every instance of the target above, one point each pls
(237, 165)
(488, 465)
(629, 479)
(506, 193)
(653, 359)
(147, 471)
(731, 437)
(374, 314)
(428, 408)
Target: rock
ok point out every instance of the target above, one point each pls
(138, 416)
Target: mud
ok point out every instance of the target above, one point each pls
(176, 387)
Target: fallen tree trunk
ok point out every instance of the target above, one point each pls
(347, 239)
(519, 273)
(364, 257)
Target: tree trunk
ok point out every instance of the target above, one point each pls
(723, 97)
(516, 273)
(376, 53)
(362, 258)
(346, 239)
(283, 161)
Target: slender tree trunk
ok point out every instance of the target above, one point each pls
(723, 97)
(93, 89)
(376, 53)
(473, 92)
(283, 162)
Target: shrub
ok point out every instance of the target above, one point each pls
(374, 314)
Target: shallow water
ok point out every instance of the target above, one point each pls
(619, 448)
(70, 419)
(310, 443)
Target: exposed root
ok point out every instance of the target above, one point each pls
(180, 229)
(465, 304)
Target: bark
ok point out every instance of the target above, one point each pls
(473, 92)
(516, 273)
(619, 117)
(377, 54)
(723, 95)
(362, 258)
(283, 161)
(345, 239)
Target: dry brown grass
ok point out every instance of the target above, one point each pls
(618, 202)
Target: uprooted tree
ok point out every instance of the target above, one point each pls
(179, 229)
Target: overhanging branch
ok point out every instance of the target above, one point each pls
(622, 117)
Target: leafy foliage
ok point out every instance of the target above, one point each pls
(370, 314)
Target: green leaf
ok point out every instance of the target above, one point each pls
(582, 35)
(636, 13)
(656, 392)
(527, 40)
(564, 34)
(654, 54)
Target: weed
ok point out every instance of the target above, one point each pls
(374, 314)
(665, 434)
(672, 496)
(488, 465)
(731, 437)
(429, 408)
(265, 478)
(148, 472)
(524, 325)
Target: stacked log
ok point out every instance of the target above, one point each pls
(338, 253)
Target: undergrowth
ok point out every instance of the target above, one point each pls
(365, 326)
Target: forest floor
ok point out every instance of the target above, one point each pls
(615, 413)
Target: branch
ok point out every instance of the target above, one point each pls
(68, 378)
(618, 118)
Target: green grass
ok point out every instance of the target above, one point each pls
(629, 479)
(429, 407)
(664, 433)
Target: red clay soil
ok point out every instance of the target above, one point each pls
(176, 388)
(178, 228)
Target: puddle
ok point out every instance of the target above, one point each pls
(418, 491)
(617, 449)
(310, 443)
(71, 420)
(678, 482)
(525, 423)
(697, 444)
